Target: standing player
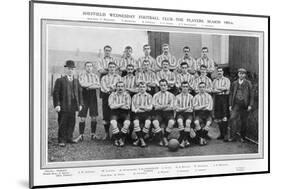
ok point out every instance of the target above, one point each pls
(166, 55)
(184, 109)
(221, 86)
(241, 101)
(108, 84)
(67, 99)
(89, 83)
(169, 76)
(163, 103)
(141, 107)
(203, 78)
(191, 62)
(184, 76)
(147, 57)
(130, 80)
(126, 59)
(206, 61)
(119, 103)
(148, 77)
(103, 62)
(203, 105)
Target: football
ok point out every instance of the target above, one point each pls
(173, 145)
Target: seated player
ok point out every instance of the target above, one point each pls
(203, 105)
(130, 80)
(166, 55)
(163, 103)
(184, 76)
(108, 84)
(205, 79)
(141, 107)
(119, 103)
(126, 59)
(184, 109)
(148, 77)
(89, 82)
(169, 76)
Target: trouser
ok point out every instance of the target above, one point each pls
(106, 111)
(66, 126)
(238, 110)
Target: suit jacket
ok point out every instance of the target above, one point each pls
(61, 94)
(247, 91)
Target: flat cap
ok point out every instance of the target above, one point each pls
(242, 70)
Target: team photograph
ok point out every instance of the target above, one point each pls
(128, 94)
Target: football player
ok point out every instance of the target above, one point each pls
(142, 107)
(120, 104)
(203, 106)
(163, 103)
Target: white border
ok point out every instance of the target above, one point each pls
(41, 177)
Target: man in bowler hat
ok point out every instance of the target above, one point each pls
(67, 99)
(241, 100)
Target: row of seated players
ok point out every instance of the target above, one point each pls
(160, 113)
(156, 64)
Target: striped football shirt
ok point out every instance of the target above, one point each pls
(167, 75)
(152, 62)
(191, 62)
(116, 98)
(203, 99)
(103, 62)
(181, 77)
(222, 83)
(88, 79)
(163, 98)
(173, 64)
(184, 100)
(109, 81)
(122, 64)
(146, 77)
(206, 80)
(208, 62)
(130, 82)
(141, 100)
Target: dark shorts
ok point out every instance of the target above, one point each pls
(163, 116)
(120, 115)
(184, 115)
(203, 115)
(90, 103)
(142, 116)
(221, 106)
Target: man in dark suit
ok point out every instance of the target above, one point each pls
(67, 99)
(241, 100)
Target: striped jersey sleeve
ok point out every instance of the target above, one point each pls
(109, 82)
(166, 98)
(118, 99)
(203, 99)
(141, 100)
(222, 83)
(86, 79)
(184, 101)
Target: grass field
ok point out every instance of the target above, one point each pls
(102, 150)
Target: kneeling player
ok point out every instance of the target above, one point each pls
(163, 102)
(203, 105)
(184, 109)
(119, 103)
(141, 106)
